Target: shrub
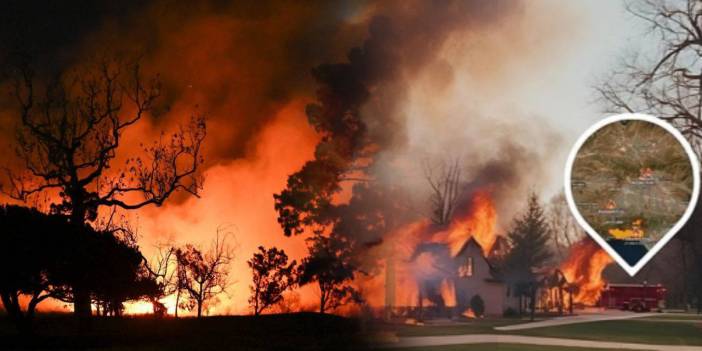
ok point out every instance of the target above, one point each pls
(477, 305)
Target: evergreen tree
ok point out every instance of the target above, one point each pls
(529, 239)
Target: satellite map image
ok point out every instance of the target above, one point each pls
(632, 181)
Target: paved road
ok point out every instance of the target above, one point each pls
(424, 341)
(581, 318)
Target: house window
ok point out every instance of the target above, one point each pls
(466, 270)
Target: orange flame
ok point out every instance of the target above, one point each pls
(448, 293)
(479, 222)
(584, 267)
(468, 313)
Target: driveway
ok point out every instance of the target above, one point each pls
(425, 341)
(585, 317)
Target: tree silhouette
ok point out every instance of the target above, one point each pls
(331, 265)
(272, 276)
(116, 273)
(161, 270)
(71, 129)
(203, 275)
(35, 261)
(28, 259)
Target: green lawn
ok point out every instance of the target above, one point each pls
(678, 316)
(648, 332)
(500, 347)
(635, 331)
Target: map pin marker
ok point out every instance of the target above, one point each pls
(632, 181)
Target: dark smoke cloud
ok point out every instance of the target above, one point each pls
(237, 62)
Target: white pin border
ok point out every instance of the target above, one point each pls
(632, 270)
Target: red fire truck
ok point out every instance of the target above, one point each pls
(633, 297)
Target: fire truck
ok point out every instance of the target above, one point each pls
(633, 297)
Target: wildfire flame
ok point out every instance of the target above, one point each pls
(479, 222)
(584, 267)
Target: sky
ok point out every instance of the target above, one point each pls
(526, 78)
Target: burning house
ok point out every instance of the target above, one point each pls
(434, 273)
(447, 283)
(477, 276)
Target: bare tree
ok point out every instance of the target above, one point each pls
(70, 131)
(669, 84)
(203, 275)
(161, 268)
(666, 83)
(564, 229)
(444, 179)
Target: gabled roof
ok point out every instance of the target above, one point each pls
(469, 242)
(472, 242)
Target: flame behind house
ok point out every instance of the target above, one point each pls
(479, 222)
(584, 267)
(423, 254)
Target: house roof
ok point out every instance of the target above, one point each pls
(472, 242)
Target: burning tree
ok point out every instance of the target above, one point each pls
(272, 276)
(69, 133)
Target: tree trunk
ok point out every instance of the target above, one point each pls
(684, 277)
(11, 305)
(256, 299)
(521, 304)
(81, 302)
(81, 294)
(322, 299)
(177, 301)
(322, 304)
(199, 308)
(532, 302)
